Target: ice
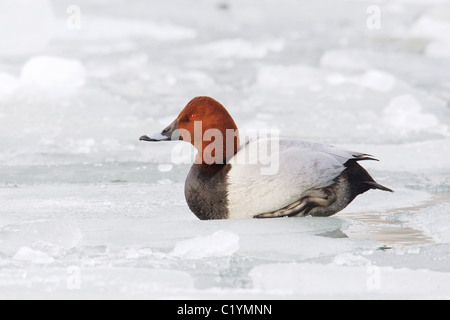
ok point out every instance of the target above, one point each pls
(348, 61)
(372, 79)
(434, 221)
(219, 244)
(437, 29)
(34, 256)
(26, 26)
(276, 77)
(8, 84)
(89, 211)
(54, 73)
(420, 157)
(431, 27)
(405, 113)
(438, 50)
(105, 28)
(51, 237)
(378, 80)
(165, 167)
(240, 49)
(313, 280)
(64, 283)
(336, 79)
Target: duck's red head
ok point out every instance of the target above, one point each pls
(208, 126)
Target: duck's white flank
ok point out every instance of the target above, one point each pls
(302, 166)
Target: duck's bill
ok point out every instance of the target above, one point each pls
(168, 134)
(154, 137)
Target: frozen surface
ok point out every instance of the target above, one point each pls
(219, 244)
(27, 26)
(53, 74)
(87, 211)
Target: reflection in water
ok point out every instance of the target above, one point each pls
(388, 232)
(382, 227)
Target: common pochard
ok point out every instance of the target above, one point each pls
(227, 181)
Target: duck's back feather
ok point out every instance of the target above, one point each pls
(298, 166)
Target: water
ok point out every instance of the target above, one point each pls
(89, 211)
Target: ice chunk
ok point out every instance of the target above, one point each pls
(105, 28)
(344, 60)
(8, 84)
(40, 234)
(199, 78)
(405, 113)
(54, 74)
(336, 79)
(219, 244)
(274, 76)
(379, 202)
(28, 254)
(137, 253)
(88, 282)
(25, 26)
(436, 29)
(351, 259)
(434, 221)
(81, 146)
(377, 80)
(165, 181)
(373, 79)
(413, 157)
(165, 167)
(432, 28)
(329, 280)
(438, 49)
(241, 49)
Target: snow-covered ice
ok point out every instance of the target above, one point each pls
(353, 281)
(87, 211)
(27, 26)
(378, 80)
(405, 113)
(219, 244)
(53, 73)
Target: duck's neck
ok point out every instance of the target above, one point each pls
(209, 170)
(217, 149)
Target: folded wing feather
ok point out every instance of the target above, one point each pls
(301, 166)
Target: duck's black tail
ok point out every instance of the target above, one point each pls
(359, 179)
(374, 185)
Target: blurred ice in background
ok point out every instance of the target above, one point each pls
(81, 81)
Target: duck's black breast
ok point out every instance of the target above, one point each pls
(206, 191)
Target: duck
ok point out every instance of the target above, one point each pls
(227, 180)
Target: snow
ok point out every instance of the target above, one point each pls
(89, 211)
(303, 280)
(435, 27)
(220, 243)
(345, 61)
(405, 113)
(28, 254)
(165, 167)
(54, 73)
(8, 84)
(431, 27)
(104, 28)
(439, 50)
(279, 77)
(378, 80)
(27, 26)
(434, 221)
(240, 49)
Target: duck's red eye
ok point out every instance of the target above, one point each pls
(193, 116)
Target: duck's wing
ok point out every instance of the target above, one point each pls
(280, 172)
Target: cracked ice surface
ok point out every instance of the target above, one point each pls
(87, 211)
